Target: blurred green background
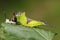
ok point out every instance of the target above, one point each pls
(46, 10)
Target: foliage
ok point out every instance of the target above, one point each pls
(19, 32)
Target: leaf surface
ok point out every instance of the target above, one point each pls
(19, 32)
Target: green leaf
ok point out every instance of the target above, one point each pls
(19, 32)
